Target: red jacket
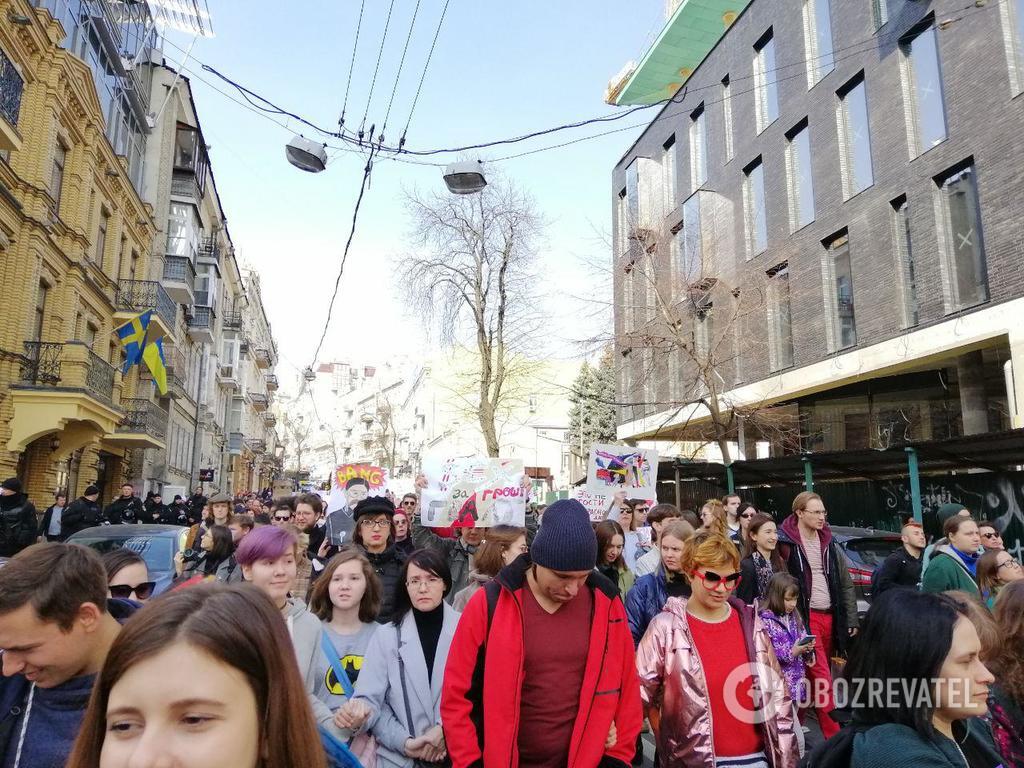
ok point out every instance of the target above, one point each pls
(484, 671)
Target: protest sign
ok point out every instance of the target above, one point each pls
(352, 483)
(618, 467)
(473, 491)
(596, 504)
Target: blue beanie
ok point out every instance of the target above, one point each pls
(566, 541)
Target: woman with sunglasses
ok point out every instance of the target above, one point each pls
(697, 663)
(502, 545)
(996, 569)
(403, 541)
(374, 534)
(127, 575)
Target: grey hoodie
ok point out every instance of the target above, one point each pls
(305, 630)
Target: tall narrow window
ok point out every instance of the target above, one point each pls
(903, 251)
(60, 154)
(698, 148)
(1012, 13)
(922, 89)
(880, 12)
(838, 274)
(133, 266)
(798, 173)
(854, 138)
(727, 116)
(755, 215)
(693, 242)
(966, 271)
(766, 88)
(39, 320)
(668, 170)
(780, 318)
(818, 40)
(101, 237)
(622, 223)
(702, 330)
(120, 257)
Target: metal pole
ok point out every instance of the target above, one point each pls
(729, 479)
(679, 491)
(195, 434)
(808, 474)
(915, 484)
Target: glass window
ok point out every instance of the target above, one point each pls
(60, 154)
(101, 238)
(756, 217)
(840, 282)
(923, 90)
(818, 40)
(727, 116)
(780, 318)
(668, 169)
(632, 198)
(698, 148)
(183, 231)
(965, 250)
(702, 330)
(1012, 12)
(880, 11)
(904, 253)
(855, 138)
(798, 171)
(40, 314)
(622, 223)
(766, 88)
(693, 242)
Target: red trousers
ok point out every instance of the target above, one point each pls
(819, 674)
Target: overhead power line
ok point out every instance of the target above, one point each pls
(376, 69)
(401, 64)
(352, 64)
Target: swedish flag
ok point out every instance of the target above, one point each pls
(153, 354)
(133, 338)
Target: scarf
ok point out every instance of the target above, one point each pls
(971, 561)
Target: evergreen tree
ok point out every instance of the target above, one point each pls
(592, 415)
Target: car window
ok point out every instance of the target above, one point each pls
(871, 551)
(158, 552)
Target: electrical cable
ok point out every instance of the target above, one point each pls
(352, 64)
(401, 64)
(423, 75)
(376, 69)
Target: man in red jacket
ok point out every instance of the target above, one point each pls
(541, 672)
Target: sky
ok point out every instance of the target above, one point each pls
(499, 69)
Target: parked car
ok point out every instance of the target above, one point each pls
(158, 544)
(865, 550)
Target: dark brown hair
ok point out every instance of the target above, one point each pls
(313, 500)
(428, 560)
(1009, 663)
(284, 502)
(240, 628)
(980, 616)
(116, 560)
(56, 580)
(606, 531)
(497, 540)
(952, 525)
(757, 522)
(320, 597)
(242, 520)
(780, 585)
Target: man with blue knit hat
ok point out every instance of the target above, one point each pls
(541, 672)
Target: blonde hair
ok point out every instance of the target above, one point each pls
(707, 549)
(719, 523)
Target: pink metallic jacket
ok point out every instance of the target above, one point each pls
(672, 680)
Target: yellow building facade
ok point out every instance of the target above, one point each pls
(75, 244)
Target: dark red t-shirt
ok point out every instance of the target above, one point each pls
(723, 651)
(556, 647)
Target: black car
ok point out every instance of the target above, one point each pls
(158, 544)
(865, 550)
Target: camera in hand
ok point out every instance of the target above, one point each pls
(191, 554)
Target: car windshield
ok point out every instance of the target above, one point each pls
(158, 552)
(871, 551)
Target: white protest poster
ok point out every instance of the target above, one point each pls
(473, 491)
(622, 468)
(596, 504)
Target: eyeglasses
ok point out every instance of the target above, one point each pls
(374, 523)
(747, 515)
(642, 509)
(816, 512)
(992, 535)
(1009, 563)
(141, 591)
(712, 580)
(430, 582)
(280, 519)
(408, 503)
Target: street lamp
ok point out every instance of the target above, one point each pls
(465, 177)
(306, 154)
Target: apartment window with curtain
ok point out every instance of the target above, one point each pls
(39, 319)
(668, 169)
(780, 318)
(922, 88)
(838, 282)
(854, 137)
(755, 213)
(799, 176)
(727, 116)
(817, 17)
(903, 250)
(766, 88)
(101, 237)
(60, 156)
(965, 267)
(1012, 15)
(698, 148)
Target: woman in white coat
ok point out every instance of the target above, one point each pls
(398, 693)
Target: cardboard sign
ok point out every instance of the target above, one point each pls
(619, 467)
(475, 491)
(596, 503)
(351, 483)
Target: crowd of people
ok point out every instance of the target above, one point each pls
(288, 639)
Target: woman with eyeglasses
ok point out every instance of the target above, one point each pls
(502, 545)
(127, 575)
(697, 663)
(761, 558)
(398, 694)
(996, 569)
(373, 532)
(632, 516)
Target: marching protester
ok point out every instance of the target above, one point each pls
(712, 518)
(924, 689)
(398, 693)
(632, 515)
(127, 575)
(576, 697)
(309, 509)
(827, 598)
(240, 526)
(996, 569)
(126, 509)
(1006, 695)
(458, 552)
(374, 535)
(648, 595)
(52, 526)
(504, 543)
(761, 559)
(731, 504)
(954, 564)
(217, 512)
(56, 627)
(990, 536)
(745, 514)
(657, 518)
(901, 568)
(84, 512)
(946, 511)
(210, 558)
(610, 563)
(241, 704)
(303, 563)
(403, 538)
(18, 523)
(282, 510)
(699, 705)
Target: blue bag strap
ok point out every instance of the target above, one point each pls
(339, 671)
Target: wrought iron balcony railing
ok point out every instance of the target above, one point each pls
(232, 320)
(143, 417)
(272, 384)
(11, 86)
(99, 378)
(256, 445)
(210, 249)
(41, 365)
(142, 295)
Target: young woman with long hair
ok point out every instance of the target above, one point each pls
(610, 562)
(215, 549)
(761, 558)
(127, 575)
(996, 569)
(501, 545)
(198, 678)
(1007, 693)
(713, 518)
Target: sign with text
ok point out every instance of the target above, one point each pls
(620, 468)
(474, 491)
(351, 483)
(596, 503)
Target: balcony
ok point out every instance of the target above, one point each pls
(270, 420)
(179, 279)
(184, 185)
(210, 250)
(136, 296)
(227, 376)
(256, 445)
(262, 357)
(200, 323)
(11, 86)
(144, 425)
(271, 383)
(259, 401)
(232, 320)
(235, 442)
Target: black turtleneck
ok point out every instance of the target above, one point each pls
(428, 626)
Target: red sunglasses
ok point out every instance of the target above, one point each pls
(712, 580)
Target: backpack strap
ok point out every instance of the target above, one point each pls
(339, 671)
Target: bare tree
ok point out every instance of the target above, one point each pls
(297, 433)
(471, 272)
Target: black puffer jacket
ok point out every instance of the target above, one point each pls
(125, 511)
(155, 512)
(18, 524)
(81, 514)
(388, 565)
